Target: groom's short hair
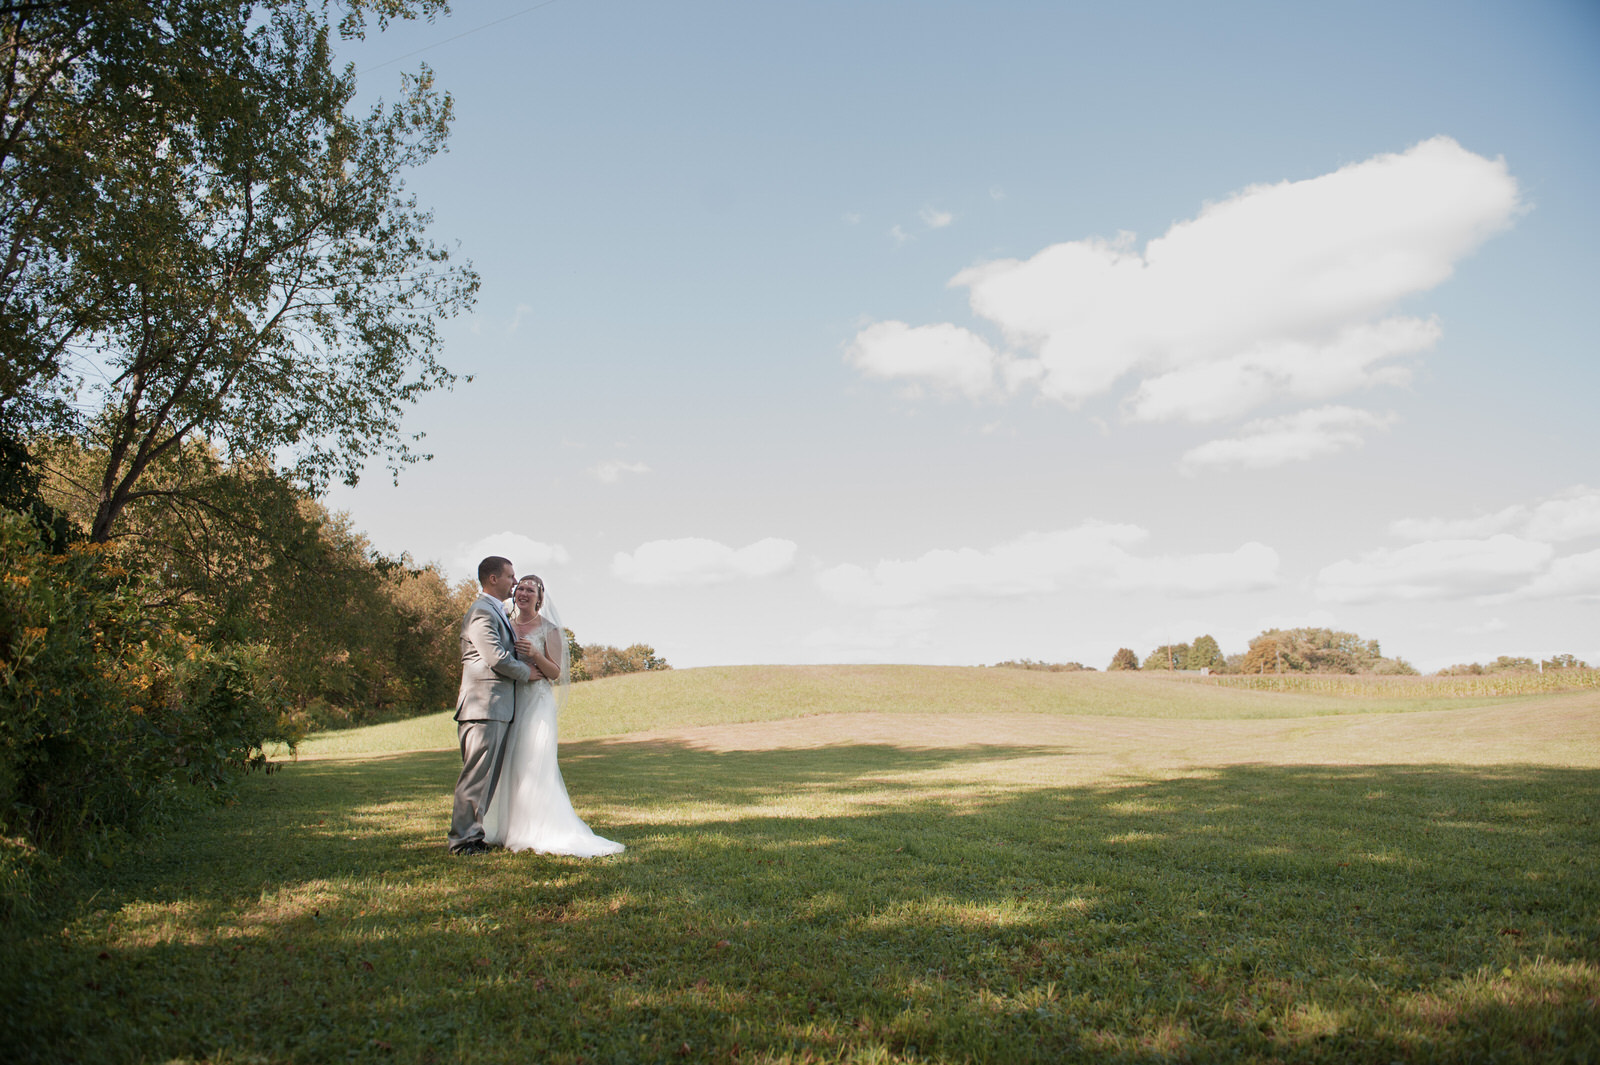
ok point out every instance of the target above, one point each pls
(491, 566)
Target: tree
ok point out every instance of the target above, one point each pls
(602, 660)
(1205, 654)
(1125, 658)
(236, 555)
(188, 208)
(1168, 656)
(1264, 656)
(1317, 650)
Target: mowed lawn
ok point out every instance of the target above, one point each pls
(878, 864)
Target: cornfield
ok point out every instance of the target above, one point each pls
(1473, 686)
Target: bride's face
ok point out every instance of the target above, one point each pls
(528, 597)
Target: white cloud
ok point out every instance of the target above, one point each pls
(518, 316)
(900, 235)
(697, 561)
(1291, 438)
(1093, 555)
(1460, 528)
(946, 357)
(1573, 515)
(1483, 628)
(1435, 569)
(851, 218)
(1571, 577)
(935, 219)
(525, 553)
(1570, 515)
(1280, 290)
(612, 470)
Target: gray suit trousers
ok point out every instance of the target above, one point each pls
(483, 749)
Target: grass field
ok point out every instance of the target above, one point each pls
(879, 864)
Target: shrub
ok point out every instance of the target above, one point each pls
(111, 720)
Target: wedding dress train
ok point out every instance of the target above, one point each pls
(530, 809)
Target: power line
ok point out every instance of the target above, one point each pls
(457, 37)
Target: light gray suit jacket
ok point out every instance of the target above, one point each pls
(490, 667)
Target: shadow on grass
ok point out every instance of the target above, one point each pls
(929, 912)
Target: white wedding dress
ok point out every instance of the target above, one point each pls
(530, 809)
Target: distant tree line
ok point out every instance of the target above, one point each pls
(1302, 650)
(1043, 667)
(596, 660)
(1510, 664)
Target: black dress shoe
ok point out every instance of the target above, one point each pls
(476, 846)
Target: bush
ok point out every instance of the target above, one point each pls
(1125, 658)
(109, 720)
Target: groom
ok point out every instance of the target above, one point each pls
(487, 701)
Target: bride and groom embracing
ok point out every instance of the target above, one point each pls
(514, 677)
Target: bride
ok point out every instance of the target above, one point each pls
(530, 809)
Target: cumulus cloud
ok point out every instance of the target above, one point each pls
(1573, 515)
(945, 357)
(1093, 555)
(1570, 515)
(1435, 569)
(1282, 290)
(1571, 577)
(1291, 438)
(1506, 554)
(935, 219)
(524, 552)
(693, 561)
(1460, 528)
(612, 470)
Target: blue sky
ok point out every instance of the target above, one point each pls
(958, 332)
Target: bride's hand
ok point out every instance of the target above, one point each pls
(525, 649)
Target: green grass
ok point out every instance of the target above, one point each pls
(722, 695)
(1028, 884)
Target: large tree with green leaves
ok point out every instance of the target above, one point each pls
(1204, 653)
(202, 241)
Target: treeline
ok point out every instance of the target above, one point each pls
(1302, 650)
(597, 660)
(1510, 664)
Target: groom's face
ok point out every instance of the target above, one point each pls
(499, 585)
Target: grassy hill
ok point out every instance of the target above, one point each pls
(684, 698)
(876, 864)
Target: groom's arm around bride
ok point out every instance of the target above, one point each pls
(486, 702)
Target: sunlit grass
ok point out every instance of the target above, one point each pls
(1116, 888)
(678, 699)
